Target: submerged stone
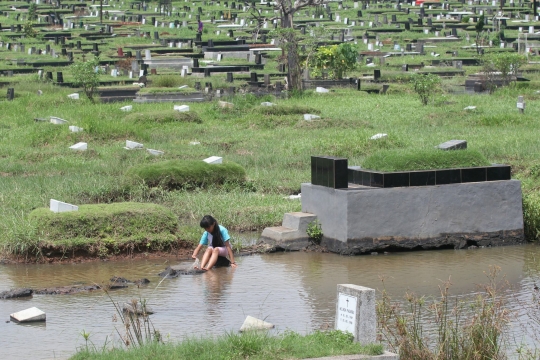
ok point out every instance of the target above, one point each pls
(252, 323)
(16, 293)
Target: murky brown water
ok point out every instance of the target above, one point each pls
(291, 290)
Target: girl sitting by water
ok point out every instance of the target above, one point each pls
(217, 238)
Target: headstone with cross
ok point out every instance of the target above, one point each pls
(355, 312)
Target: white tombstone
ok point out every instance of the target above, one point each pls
(251, 324)
(127, 108)
(378, 136)
(131, 145)
(59, 206)
(57, 121)
(75, 129)
(29, 315)
(147, 55)
(74, 96)
(224, 104)
(266, 103)
(183, 73)
(214, 160)
(155, 152)
(183, 87)
(181, 108)
(320, 89)
(195, 143)
(311, 117)
(355, 312)
(470, 108)
(81, 146)
(131, 74)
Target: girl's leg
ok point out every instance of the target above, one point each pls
(213, 259)
(206, 257)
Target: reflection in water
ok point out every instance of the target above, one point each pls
(294, 291)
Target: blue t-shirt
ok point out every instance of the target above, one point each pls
(207, 237)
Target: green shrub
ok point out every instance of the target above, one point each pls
(100, 229)
(426, 86)
(286, 110)
(164, 116)
(395, 160)
(531, 215)
(176, 174)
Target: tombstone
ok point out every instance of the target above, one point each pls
(197, 85)
(266, 79)
(453, 145)
(376, 74)
(405, 67)
(59, 206)
(147, 55)
(59, 77)
(10, 94)
(355, 312)
(120, 52)
(230, 77)
(521, 104)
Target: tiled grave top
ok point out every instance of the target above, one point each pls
(428, 177)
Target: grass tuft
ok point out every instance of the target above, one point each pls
(164, 116)
(181, 174)
(391, 160)
(286, 110)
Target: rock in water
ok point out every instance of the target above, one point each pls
(17, 293)
(28, 315)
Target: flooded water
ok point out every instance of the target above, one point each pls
(294, 291)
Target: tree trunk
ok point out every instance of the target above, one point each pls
(294, 74)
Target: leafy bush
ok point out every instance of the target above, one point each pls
(426, 86)
(394, 160)
(506, 63)
(86, 74)
(531, 215)
(103, 228)
(336, 59)
(176, 174)
(164, 116)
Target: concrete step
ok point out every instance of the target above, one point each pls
(298, 220)
(292, 234)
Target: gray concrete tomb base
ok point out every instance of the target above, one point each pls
(362, 219)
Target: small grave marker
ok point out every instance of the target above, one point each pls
(81, 146)
(59, 206)
(521, 104)
(355, 312)
(453, 145)
(214, 160)
(131, 145)
(181, 108)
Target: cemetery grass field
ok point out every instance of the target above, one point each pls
(274, 148)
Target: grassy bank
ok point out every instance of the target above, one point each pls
(274, 148)
(250, 345)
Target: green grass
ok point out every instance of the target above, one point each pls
(163, 116)
(250, 345)
(101, 229)
(392, 160)
(179, 174)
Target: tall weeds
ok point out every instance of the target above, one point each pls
(441, 329)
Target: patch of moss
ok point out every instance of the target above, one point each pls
(400, 160)
(176, 174)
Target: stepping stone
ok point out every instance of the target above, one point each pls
(81, 146)
(155, 152)
(57, 121)
(59, 206)
(127, 108)
(311, 117)
(181, 108)
(74, 96)
(28, 315)
(378, 136)
(75, 129)
(252, 323)
(321, 90)
(131, 145)
(214, 160)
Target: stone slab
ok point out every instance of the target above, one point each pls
(29, 315)
(59, 206)
(214, 160)
(453, 145)
(251, 324)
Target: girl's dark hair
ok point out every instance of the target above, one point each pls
(217, 239)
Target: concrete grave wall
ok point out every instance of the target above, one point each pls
(363, 219)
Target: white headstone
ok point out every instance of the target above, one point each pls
(252, 323)
(75, 129)
(214, 160)
(74, 96)
(28, 315)
(320, 89)
(127, 108)
(59, 206)
(81, 146)
(311, 117)
(181, 108)
(266, 103)
(155, 152)
(378, 136)
(57, 121)
(130, 145)
(355, 312)
(147, 55)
